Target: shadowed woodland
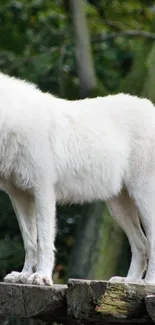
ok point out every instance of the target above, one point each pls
(77, 49)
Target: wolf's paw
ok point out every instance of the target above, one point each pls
(39, 279)
(12, 277)
(141, 282)
(126, 280)
(117, 279)
(148, 282)
(17, 277)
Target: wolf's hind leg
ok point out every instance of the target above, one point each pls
(145, 200)
(125, 213)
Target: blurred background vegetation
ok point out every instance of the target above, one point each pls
(76, 49)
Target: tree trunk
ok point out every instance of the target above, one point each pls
(148, 90)
(94, 255)
(134, 82)
(140, 80)
(85, 67)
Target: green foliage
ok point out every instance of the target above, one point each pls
(122, 14)
(36, 42)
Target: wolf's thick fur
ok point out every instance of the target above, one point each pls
(86, 150)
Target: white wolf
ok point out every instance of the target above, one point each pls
(55, 150)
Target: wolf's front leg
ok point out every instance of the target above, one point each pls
(45, 207)
(23, 205)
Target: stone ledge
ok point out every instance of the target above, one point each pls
(96, 302)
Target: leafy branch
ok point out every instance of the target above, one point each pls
(127, 33)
